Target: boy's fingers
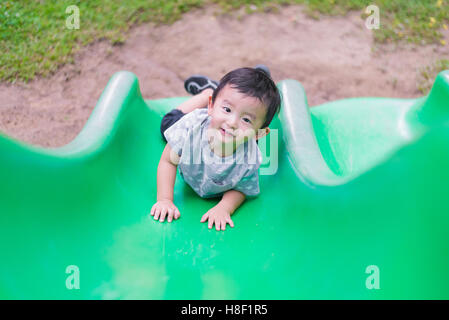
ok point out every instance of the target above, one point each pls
(231, 223)
(153, 209)
(170, 215)
(162, 219)
(217, 224)
(223, 225)
(157, 211)
(163, 213)
(204, 217)
(211, 222)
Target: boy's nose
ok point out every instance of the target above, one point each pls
(233, 122)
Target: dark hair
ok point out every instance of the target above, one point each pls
(254, 83)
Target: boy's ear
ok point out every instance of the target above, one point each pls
(209, 106)
(262, 133)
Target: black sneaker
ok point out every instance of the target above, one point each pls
(197, 83)
(264, 69)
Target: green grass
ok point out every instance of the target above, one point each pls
(34, 39)
(427, 74)
(414, 21)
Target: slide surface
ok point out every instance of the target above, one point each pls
(354, 205)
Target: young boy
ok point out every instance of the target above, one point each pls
(222, 140)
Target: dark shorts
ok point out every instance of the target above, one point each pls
(169, 119)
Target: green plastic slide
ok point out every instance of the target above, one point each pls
(354, 204)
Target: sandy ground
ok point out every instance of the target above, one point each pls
(333, 58)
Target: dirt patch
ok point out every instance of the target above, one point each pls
(333, 58)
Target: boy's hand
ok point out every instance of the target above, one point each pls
(218, 215)
(163, 207)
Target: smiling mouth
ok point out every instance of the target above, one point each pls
(225, 133)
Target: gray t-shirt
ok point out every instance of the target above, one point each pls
(207, 173)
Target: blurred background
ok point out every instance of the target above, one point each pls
(52, 73)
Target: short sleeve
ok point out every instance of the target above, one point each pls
(249, 184)
(179, 132)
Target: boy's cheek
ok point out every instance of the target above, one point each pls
(247, 133)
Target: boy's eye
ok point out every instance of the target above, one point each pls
(227, 109)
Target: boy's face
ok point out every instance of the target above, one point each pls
(236, 117)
